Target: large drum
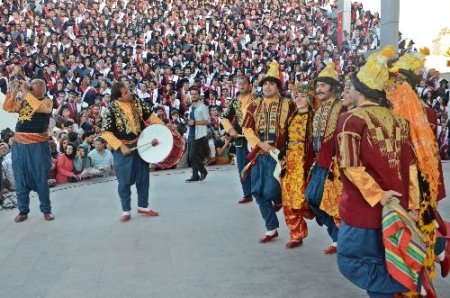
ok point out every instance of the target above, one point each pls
(169, 149)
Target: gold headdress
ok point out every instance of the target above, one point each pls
(328, 75)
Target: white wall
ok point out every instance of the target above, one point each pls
(6, 119)
(419, 20)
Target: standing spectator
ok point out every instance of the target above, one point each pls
(197, 136)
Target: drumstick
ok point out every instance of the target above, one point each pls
(137, 147)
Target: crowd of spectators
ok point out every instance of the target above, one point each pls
(160, 49)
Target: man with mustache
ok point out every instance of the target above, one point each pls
(265, 128)
(324, 186)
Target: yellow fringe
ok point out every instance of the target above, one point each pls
(407, 105)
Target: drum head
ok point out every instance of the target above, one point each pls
(159, 152)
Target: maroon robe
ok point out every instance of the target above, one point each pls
(373, 137)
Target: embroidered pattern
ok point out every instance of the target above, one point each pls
(235, 110)
(332, 192)
(238, 112)
(325, 119)
(272, 118)
(284, 114)
(332, 120)
(31, 105)
(349, 143)
(267, 124)
(321, 117)
(293, 184)
(384, 126)
(26, 112)
(123, 118)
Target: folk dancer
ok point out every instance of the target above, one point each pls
(324, 186)
(31, 158)
(125, 119)
(232, 120)
(377, 163)
(265, 128)
(297, 157)
(406, 103)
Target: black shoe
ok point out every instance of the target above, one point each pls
(193, 179)
(203, 175)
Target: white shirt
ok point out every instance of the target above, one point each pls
(142, 94)
(201, 113)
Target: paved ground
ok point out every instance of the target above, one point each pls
(203, 245)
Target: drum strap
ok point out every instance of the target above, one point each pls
(129, 142)
(146, 124)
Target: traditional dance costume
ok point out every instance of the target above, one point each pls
(31, 158)
(123, 123)
(266, 120)
(296, 164)
(375, 155)
(233, 118)
(406, 103)
(324, 187)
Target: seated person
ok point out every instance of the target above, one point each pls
(83, 164)
(177, 122)
(222, 146)
(52, 172)
(102, 158)
(64, 166)
(7, 174)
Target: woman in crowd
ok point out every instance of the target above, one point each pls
(65, 166)
(63, 141)
(83, 164)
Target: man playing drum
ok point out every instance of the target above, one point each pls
(126, 118)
